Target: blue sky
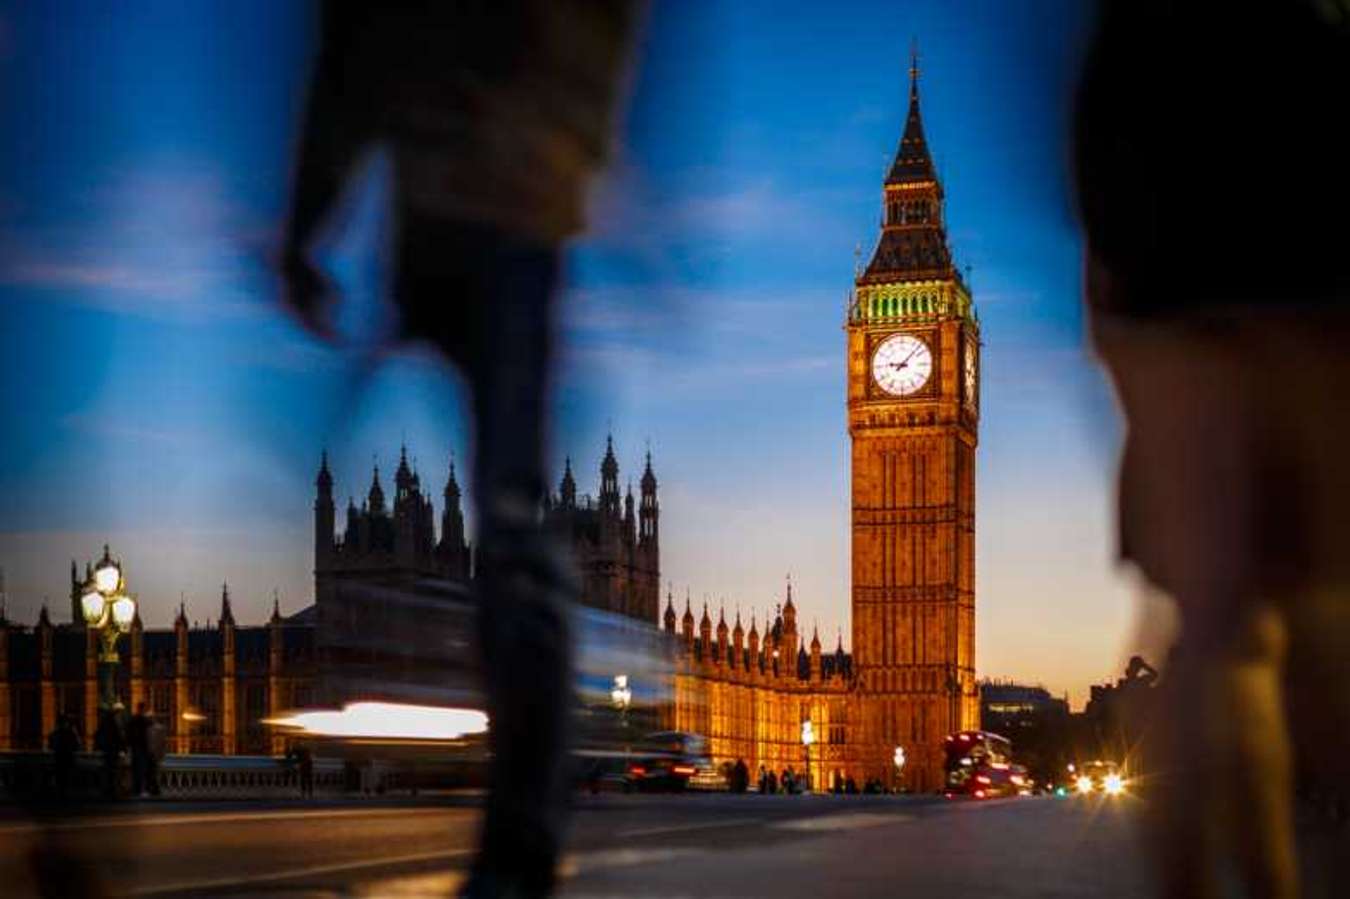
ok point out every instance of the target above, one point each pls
(153, 396)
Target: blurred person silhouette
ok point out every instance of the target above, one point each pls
(138, 743)
(493, 116)
(110, 742)
(305, 765)
(1213, 178)
(63, 743)
(740, 781)
(157, 738)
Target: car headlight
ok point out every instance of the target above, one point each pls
(1113, 785)
(1084, 783)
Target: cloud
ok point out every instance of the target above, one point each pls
(105, 427)
(707, 213)
(69, 274)
(160, 239)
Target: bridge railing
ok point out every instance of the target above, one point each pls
(33, 775)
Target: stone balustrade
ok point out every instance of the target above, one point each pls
(30, 775)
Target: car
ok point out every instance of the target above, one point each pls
(666, 761)
(1097, 777)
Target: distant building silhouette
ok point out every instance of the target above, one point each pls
(1037, 723)
(212, 686)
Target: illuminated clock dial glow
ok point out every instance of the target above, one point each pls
(901, 364)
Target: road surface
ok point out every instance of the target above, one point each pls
(694, 845)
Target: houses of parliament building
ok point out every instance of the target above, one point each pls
(912, 404)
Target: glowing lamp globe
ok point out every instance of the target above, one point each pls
(123, 611)
(107, 576)
(622, 694)
(92, 605)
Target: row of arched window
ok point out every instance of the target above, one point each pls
(887, 307)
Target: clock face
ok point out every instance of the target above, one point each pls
(902, 364)
(971, 375)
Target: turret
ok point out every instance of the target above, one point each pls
(226, 613)
(180, 730)
(754, 643)
(44, 629)
(773, 639)
(789, 635)
(629, 519)
(76, 592)
(324, 515)
(648, 511)
(669, 618)
(46, 687)
(275, 656)
(403, 479)
(687, 623)
(815, 654)
(609, 482)
(705, 628)
(453, 549)
(228, 697)
(375, 500)
(567, 490)
(722, 634)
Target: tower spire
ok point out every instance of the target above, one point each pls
(913, 244)
(567, 488)
(913, 162)
(914, 69)
(609, 481)
(325, 478)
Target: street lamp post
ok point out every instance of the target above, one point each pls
(898, 757)
(808, 737)
(622, 696)
(108, 610)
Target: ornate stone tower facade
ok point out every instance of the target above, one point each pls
(913, 413)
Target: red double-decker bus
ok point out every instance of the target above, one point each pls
(979, 764)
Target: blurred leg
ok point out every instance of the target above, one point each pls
(523, 578)
(1261, 778)
(494, 319)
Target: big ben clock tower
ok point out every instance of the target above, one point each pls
(913, 414)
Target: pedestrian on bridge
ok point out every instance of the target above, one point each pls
(493, 117)
(1213, 185)
(110, 742)
(138, 742)
(63, 742)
